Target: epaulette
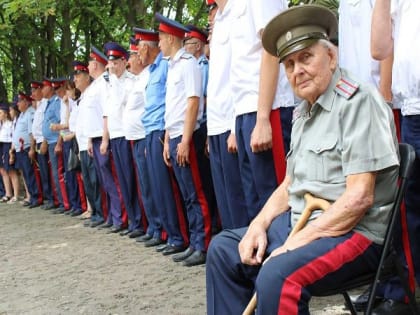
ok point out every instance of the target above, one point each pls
(346, 87)
(203, 61)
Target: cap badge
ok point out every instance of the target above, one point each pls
(288, 35)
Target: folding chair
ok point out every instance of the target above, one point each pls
(389, 263)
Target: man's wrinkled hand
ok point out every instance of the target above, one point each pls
(253, 245)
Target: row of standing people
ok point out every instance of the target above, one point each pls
(146, 126)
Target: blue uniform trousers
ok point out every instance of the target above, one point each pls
(92, 187)
(227, 183)
(190, 184)
(409, 222)
(72, 185)
(154, 227)
(54, 169)
(103, 169)
(162, 192)
(25, 165)
(124, 165)
(257, 170)
(44, 171)
(286, 282)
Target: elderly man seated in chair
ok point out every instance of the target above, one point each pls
(344, 151)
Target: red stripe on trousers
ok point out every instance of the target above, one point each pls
(179, 206)
(397, 122)
(407, 249)
(317, 269)
(201, 196)
(37, 174)
(104, 203)
(81, 186)
(52, 184)
(279, 156)
(61, 180)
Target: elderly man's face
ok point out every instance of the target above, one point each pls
(310, 70)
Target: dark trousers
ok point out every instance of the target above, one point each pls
(195, 201)
(140, 156)
(162, 191)
(23, 163)
(408, 230)
(54, 169)
(124, 165)
(72, 185)
(285, 283)
(44, 171)
(227, 183)
(257, 170)
(91, 184)
(103, 169)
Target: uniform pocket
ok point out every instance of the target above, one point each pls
(324, 160)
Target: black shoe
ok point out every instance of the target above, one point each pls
(34, 205)
(105, 226)
(124, 232)
(172, 249)
(26, 203)
(48, 206)
(77, 212)
(162, 247)
(391, 307)
(135, 233)
(184, 255)
(115, 229)
(196, 258)
(144, 238)
(69, 212)
(59, 210)
(153, 242)
(360, 302)
(96, 223)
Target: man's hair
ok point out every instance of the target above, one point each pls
(327, 44)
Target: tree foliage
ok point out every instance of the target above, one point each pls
(42, 37)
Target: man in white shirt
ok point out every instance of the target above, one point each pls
(94, 131)
(134, 130)
(182, 142)
(37, 139)
(221, 124)
(120, 83)
(263, 102)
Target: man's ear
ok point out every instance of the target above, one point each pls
(332, 52)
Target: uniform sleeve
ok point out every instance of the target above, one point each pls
(192, 78)
(103, 95)
(368, 131)
(263, 11)
(30, 120)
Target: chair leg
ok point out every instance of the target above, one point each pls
(349, 303)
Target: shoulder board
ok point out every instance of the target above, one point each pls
(203, 61)
(186, 57)
(346, 87)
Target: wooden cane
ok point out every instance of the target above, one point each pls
(312, 204)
